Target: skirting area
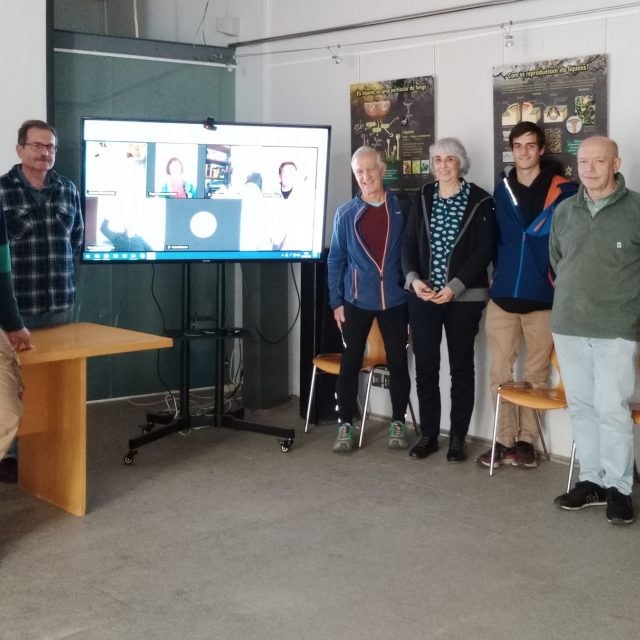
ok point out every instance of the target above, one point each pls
(220, 535)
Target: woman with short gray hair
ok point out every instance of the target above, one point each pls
(447, 249)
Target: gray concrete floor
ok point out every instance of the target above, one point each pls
(220, 535)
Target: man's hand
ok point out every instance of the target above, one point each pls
(20, 340)
(338, 316)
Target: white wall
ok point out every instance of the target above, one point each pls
(23, 50)
(305, 86)
(296, 81)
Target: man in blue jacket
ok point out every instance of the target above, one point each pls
(522, 290)
(366, 282)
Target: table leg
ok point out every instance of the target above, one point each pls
(53, 438)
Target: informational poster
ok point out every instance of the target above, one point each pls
(567, 98)
(396, 117)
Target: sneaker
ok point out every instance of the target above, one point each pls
(397, 435)
(503, 455)
(456, 452)
(526, 456)
(344, 439)
(584, 494)
(9, 470)
(619, 507)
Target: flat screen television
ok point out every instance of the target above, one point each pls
(158, 191)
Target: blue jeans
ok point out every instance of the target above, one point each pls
(39, 322)
(460, 321)
(598, 376)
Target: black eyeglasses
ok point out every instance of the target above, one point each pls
(39, 147)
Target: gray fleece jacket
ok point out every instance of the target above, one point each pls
(596, 260)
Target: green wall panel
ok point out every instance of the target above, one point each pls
(121, 295)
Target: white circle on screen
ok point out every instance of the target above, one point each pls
(203, 224)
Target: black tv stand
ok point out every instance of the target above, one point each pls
(159, 425)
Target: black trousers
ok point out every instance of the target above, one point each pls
(460, 321)
(393, 327)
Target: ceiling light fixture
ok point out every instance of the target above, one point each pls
(334, 56)
(509, 40)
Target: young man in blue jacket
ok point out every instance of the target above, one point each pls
(366, 282)
(522, 289)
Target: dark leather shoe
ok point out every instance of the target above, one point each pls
(9, 470)
(424, 447)
(456, 451)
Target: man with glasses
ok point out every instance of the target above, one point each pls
(44, 225)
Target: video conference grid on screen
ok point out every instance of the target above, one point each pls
(168, 191)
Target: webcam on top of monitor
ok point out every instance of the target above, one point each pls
(209, 124)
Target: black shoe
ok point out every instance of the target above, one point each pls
(456, 451)
(424, 447)
(502, 455)
(619, 507)
(584, 494)
(526, 456)
(9, 470)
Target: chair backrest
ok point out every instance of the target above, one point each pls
(374, 352)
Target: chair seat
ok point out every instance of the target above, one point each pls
(328, 362)
(535, 398)
(374, 358)
(372, 363)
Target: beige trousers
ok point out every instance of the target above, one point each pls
(10, 394)
(504, 334)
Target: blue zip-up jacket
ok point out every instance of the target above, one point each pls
(353, 274)
(521, 260)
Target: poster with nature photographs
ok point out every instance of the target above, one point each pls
(396, 117)
(567, 98)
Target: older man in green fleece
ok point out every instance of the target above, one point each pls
(595, 321)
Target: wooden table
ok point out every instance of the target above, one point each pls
(53, 433)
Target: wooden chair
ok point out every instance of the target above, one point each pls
(374, 360)
(522, 394)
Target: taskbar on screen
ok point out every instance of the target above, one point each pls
(196, 256)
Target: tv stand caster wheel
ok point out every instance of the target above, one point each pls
(285, 445)
(128, 459)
